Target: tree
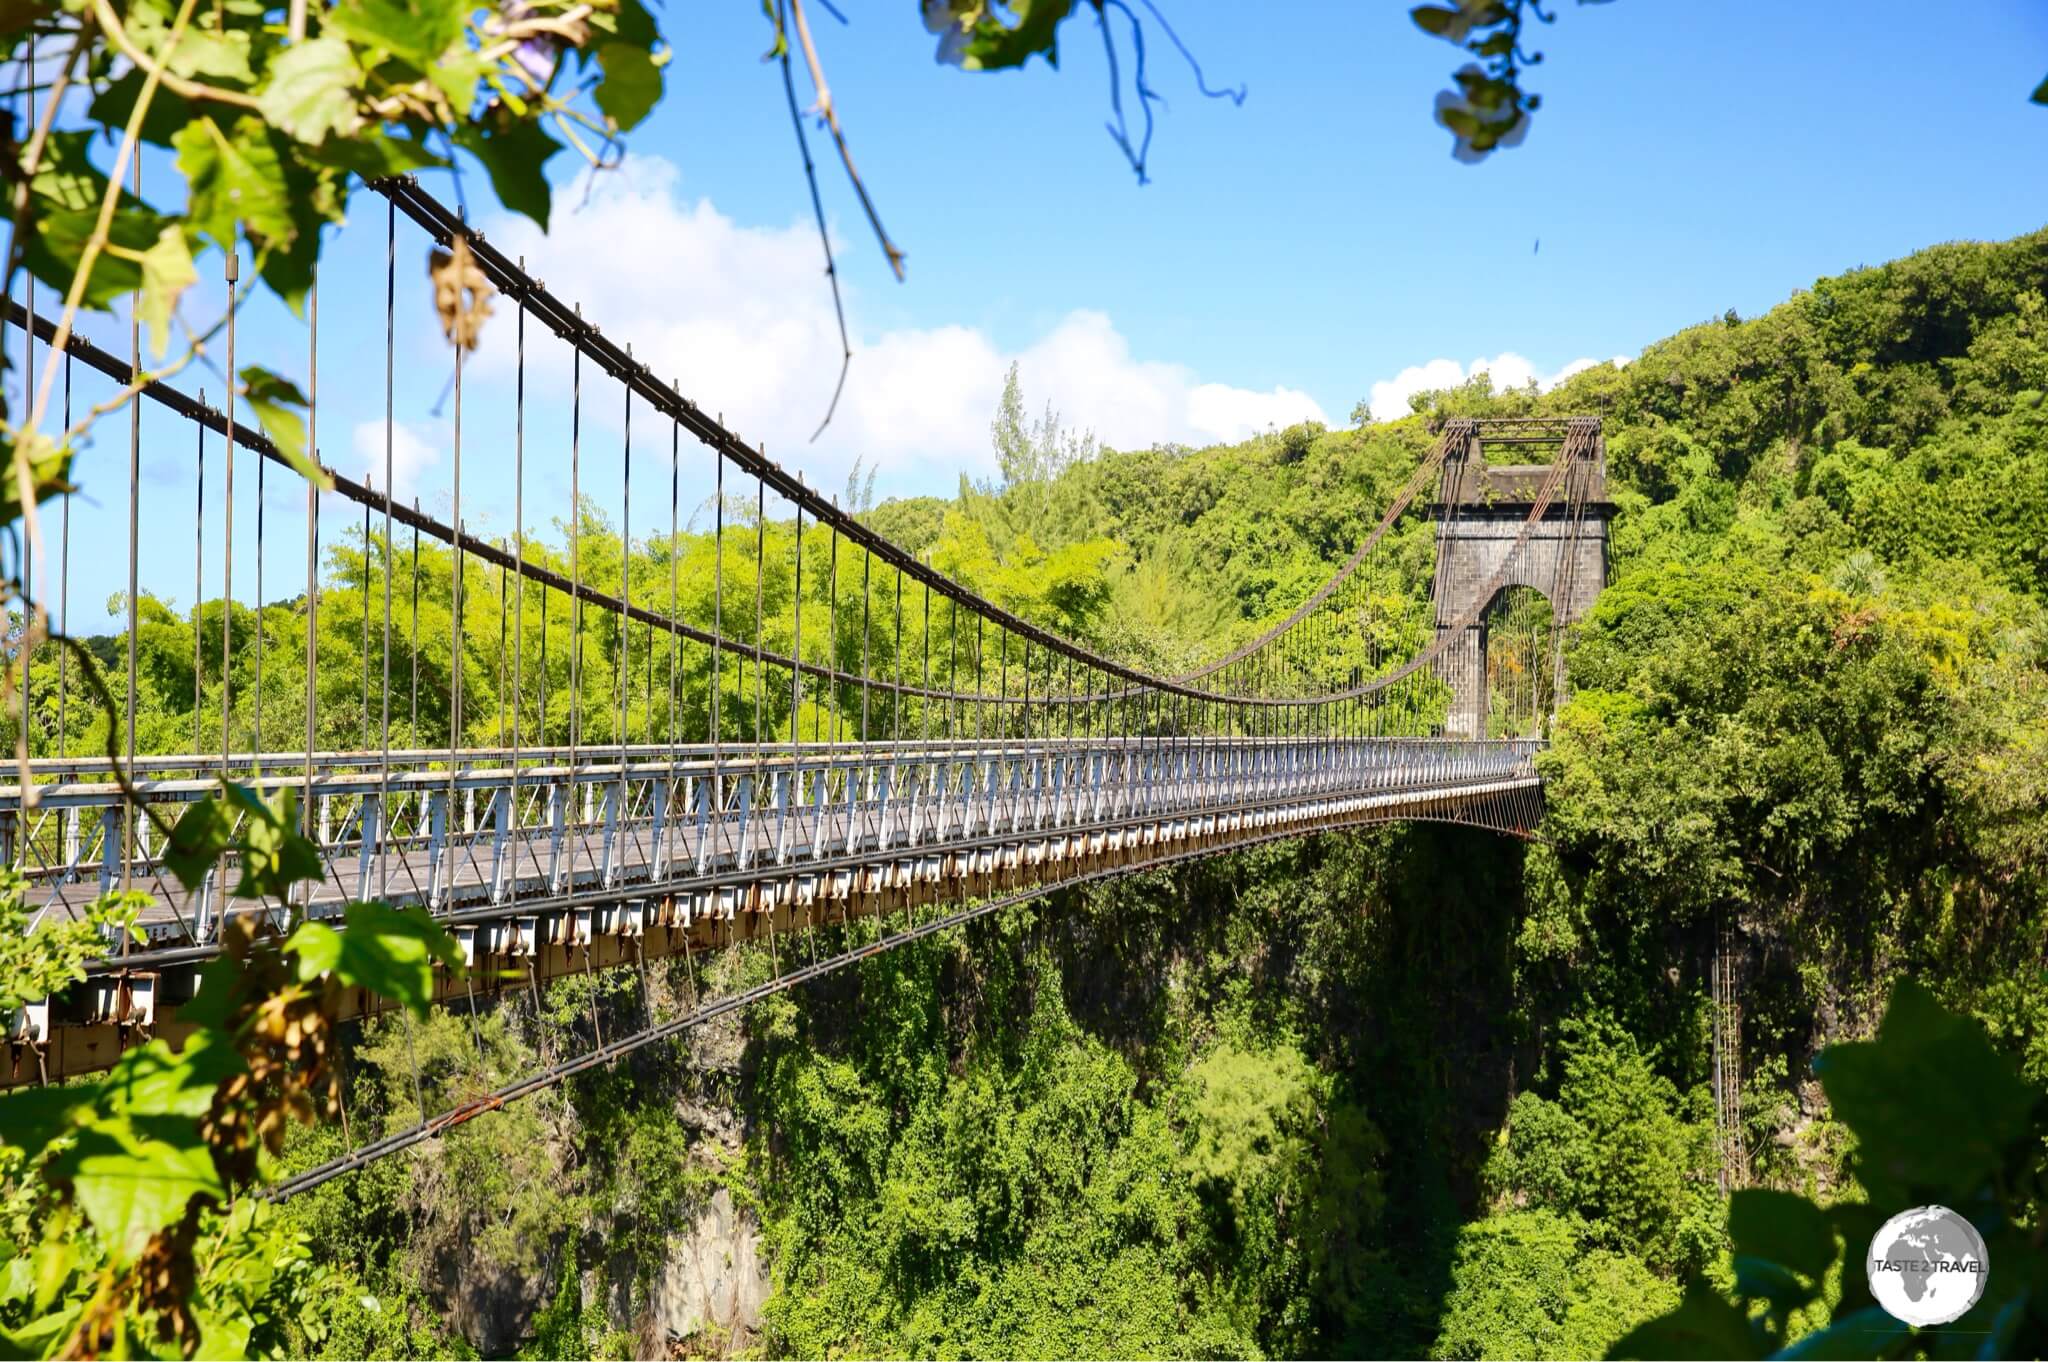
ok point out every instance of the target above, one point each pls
(1008, 432)
(1036, 507)
(1033, 453)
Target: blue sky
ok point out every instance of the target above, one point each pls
(1690, 157)
(1289, 256)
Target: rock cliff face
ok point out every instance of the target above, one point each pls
(622, 1182)
(709, 1295)
(706, 1298)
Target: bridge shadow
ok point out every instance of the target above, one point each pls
(1389, 952)
(1428, 1019)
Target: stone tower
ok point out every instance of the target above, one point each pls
(1481, 548)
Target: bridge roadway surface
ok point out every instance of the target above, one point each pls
(600, 857)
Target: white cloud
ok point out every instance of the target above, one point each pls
(1389, 397)
(412, 454)
(741, 318)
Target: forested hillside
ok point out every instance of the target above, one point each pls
(1416, 1091)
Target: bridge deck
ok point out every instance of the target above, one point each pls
(496, 837)
(607, 862)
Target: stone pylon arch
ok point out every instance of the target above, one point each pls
(1484, 544)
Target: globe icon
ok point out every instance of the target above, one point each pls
(1927, 1266)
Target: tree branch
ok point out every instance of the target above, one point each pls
(177, 85)
(824, 238)
(831, 117)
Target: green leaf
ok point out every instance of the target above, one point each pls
(2040, 95)
(418, 32)
(288, 271)
(56, 247)
(134, 1177)
(56, 1257)
(49, 469)
(204, 53)
(274, 856)
(198, 841)
(515, 155)
(40, 1337)
(223, 1334)
(65, 198)
(17, 1278)
(456, 76)
(220, 58)
(218, 995)
(235, 177)
(1702, 1325)
(166, 273)
(390, 951)
(66, 180)
(1762, 1279)
(1439, 21)
(1858, 1334)
(633, 24)
(167, 112)
(1858, 1222)
(1463, 122)
(155, 1080)
(32, 1117)
(1926, 1058)
(373, 154)
(631, 86)
(994, 45)
(273, 399)
(1783, 1228)
(312, 91)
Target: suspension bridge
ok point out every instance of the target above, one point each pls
(646, 738)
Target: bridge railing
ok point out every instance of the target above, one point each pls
(487, 834)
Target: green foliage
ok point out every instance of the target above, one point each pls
(271, 854)
(277, 402)
(1251, 1115)
(120, 1228)
(1025, 1196)
(1613, 1149)
(389, 951)
(570, 1328)
(992, 43)
(1987, 1166)
(273, 114)
(1533, 1284)
(1807, 721)
(40, 958)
